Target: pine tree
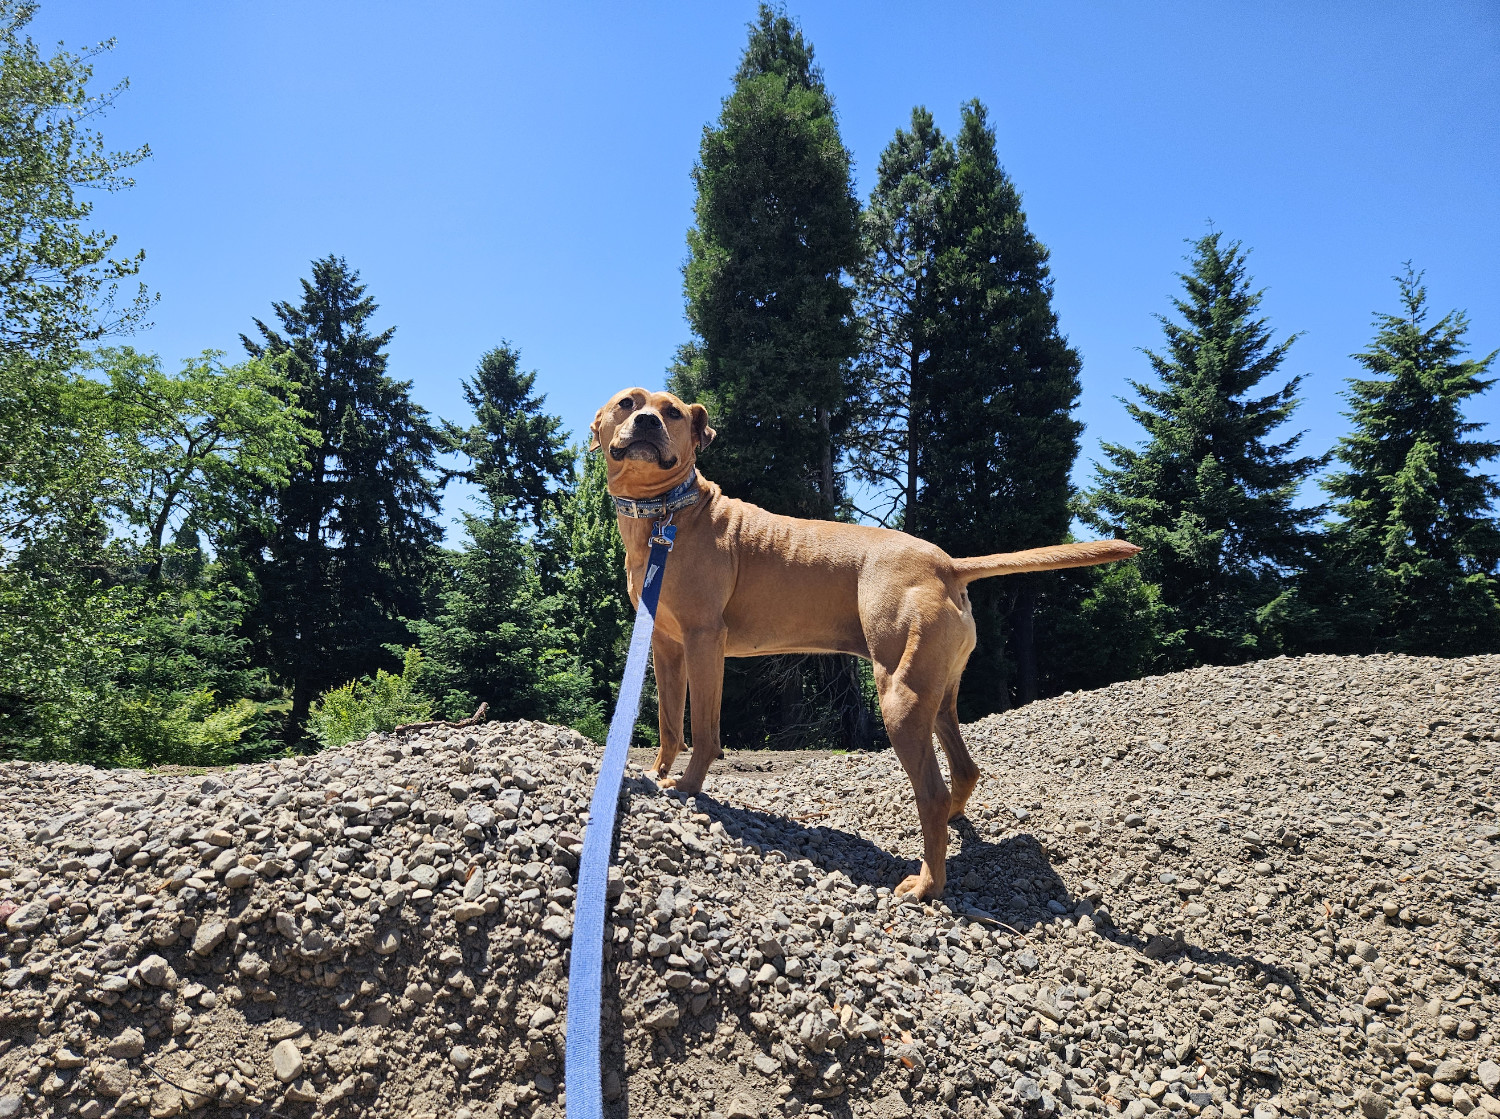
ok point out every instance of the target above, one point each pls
(496, 636)
(347, 556)
(966, 433)
(1413, 557)
(594, 585)
(1209, 497)
(777, 230)
(901, 311)
(776, 233)
(518, 453)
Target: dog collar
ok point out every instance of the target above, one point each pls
(680, 497)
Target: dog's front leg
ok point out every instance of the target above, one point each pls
(669, 663)
(704, 649)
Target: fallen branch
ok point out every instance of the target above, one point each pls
(473, 720)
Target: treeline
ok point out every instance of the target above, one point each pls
(244, 556)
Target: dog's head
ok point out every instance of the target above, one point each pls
(651, 441)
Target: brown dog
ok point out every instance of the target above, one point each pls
(743, 582)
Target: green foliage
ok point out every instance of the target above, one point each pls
(1209, 497)
(901, 312)
(518, 453)
(200, 448)
(346, 557)
(495, 636)
(59, 279)
(595, 599)
(1097, 626)
(776, 232)
(381, 703)
(109, 676)
(965, 434)
(1410, 565)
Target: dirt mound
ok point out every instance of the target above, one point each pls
(1267, 889)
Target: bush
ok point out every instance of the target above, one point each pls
(349, 713)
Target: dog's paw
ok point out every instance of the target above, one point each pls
(919, 886)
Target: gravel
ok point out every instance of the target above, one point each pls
(1266, 891)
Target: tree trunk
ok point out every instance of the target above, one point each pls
(825, 472)
(1023, 634)
(301, 705)
(909, 521)
(856, 721)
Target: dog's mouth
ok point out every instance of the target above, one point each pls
(643, 449)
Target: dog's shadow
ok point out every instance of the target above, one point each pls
(1011, 882)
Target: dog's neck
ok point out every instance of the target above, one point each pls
(680, 496)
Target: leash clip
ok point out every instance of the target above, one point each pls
(663, 532)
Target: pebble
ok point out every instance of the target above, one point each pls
(1228, 919)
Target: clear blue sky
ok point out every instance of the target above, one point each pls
(521, 172)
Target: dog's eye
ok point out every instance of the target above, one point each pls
(673, 413)
(627, 404)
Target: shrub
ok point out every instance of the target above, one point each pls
(383, 703)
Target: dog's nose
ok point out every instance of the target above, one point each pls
(647, 419)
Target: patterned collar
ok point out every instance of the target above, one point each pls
(674, 499)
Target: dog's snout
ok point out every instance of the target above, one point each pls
(647, 420)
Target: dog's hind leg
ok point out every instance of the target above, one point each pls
(962, 771)
(909, 715)
(669, 663)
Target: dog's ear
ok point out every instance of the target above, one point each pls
(594, 429)
(703, 435)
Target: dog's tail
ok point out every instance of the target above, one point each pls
(1043, 559)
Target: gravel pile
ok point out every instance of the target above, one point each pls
(1261, 891)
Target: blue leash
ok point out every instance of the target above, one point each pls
(583, 1077)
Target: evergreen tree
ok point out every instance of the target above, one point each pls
(594, 585)
(1411, 563)
(968, 428)
(495, 636)
(902, 313)
(518, 453)
(1209, 498)
(1006, 387)
(777, 230)
(347, 554)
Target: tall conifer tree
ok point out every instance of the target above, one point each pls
(518, 453)
(1003, 397)
(1411, 563)
(347, 555)
(776, 233)
(968, 431)
(1209, 497)
(901, 310)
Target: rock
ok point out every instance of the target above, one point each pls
(209, 936)
(1488, 1074)
(1372, 1105)
(156, 972)
(1449, 1072)
(286, 1061)
(128, 1044)
(357, 941)
(27, 919)
(742, 1107)
(10, 1106)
